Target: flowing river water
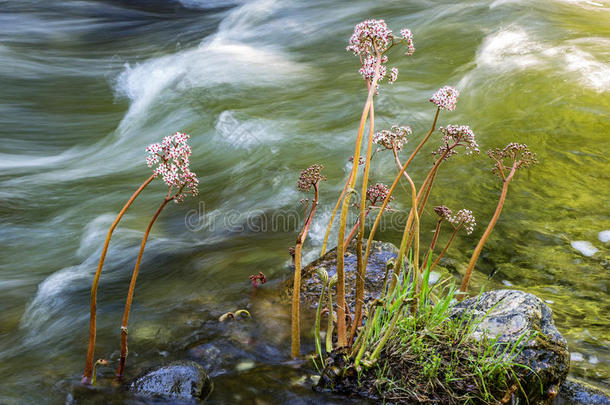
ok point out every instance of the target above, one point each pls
(266, 88)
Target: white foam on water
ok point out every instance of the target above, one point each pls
(221, 58)
(514, 48)
(584, 247)
(604, 236)
(243, 134)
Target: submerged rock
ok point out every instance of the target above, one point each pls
(181, 380)
(576, 392)
(381, 253)
(510, 314)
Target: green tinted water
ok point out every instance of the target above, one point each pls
(266, 88)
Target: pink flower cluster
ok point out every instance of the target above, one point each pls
(463, 217)
(310, 177)
(370, 36)
(173, 158)
(453, 136)
(445, 98)
(378, 193)
(407, 37)
(393, 138)
(370, 40)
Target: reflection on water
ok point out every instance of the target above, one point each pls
(266, 88)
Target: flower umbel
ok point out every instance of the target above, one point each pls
(517, 154)
(310, 177)
(445, 98)
(407, 37)
(172, 157)
(378, 193)
(371, 40)
(456, 135)
(463, 217)
(393, 138)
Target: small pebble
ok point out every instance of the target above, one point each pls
(246, 365)
(584, 247)
(575, 356)
(604, 236)
(593, 360)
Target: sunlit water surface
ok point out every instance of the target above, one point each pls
(266, 88)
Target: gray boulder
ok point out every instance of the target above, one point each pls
(381, 253)
(577, 392)
(508, 315)
(180, 380)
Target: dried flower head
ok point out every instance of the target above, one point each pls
(454, 136)
(310, 177)
(396, 137)
(378, 193)
(515, 154)
(172, 159)
(463, 217)
(443, 212)
(445, 98)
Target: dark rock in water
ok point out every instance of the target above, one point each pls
(381, 253)
(180, 380)
(509, 314)
(576, 392)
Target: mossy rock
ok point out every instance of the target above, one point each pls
(510, 314)
(311, 287)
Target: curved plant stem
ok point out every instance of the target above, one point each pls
(318, 315)
(87, 374)
(438, 259)
(403, 242)
(492, 223)
(369, 242)
(354, 230)
(329, 328)
(132, 285)
(341, 304)
(360, 269)
(295, 342)
(332, 217)
(432, 244)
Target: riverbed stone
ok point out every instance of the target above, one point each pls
(578, 392)
(381, 253)
(511, 314)
(180, 380)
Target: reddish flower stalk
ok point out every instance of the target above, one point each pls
(369, 242)
(172, 159)
(87, 374)
(360, 269)
(432, 245)
(438, 259)
(518, 156)
(341, 304)
(310, 177)
(132, 285)
(463, 218)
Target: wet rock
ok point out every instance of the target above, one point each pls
(381, 253)
(181, 380)
(576, 392)
(508, 315)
